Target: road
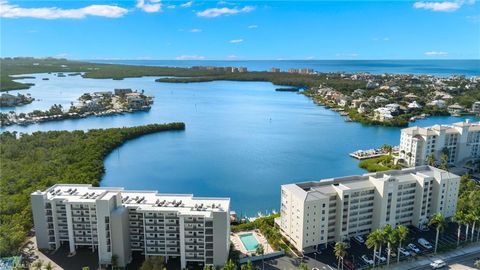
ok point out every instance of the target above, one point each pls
(464, 262)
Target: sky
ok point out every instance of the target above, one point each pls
(241, 30)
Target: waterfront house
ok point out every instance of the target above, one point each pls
(439, 103)
(382, 114)
(8, 100)
(364, 107)
(135, 102)
(456, 109)
(414, 105)
(122, 91)
(476, 107)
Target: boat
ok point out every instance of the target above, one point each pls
(287, 89)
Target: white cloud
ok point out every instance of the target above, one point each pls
(446, 6)
(232, 57)
(347, 54)
(235, 41)
(14, 11)
(195, 30)
(252, 26)
(190, 57)
(216, 12)
(171, 6)
(309, 57)
(435, 54)
(187, 4)
(149, 5)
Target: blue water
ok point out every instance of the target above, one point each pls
(242, 139)
(249, 241)
(434, 67)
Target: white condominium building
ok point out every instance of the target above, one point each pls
(316, 213)
(117, 222)
(461, 140)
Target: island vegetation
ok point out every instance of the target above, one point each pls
(36, 161)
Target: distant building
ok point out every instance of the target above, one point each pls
(114, 221)
(455, 109)
(382, 114)
(242, 69)
(8, 100)
(461, 141)
(275, 70)
(476, 107)
(320, 212)
(439, 103)
(122, 91)
(300, 70)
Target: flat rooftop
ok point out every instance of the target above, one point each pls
(143, 200)
(472, 126)
(328, 186)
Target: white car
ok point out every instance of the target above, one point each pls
(367, 260)
(404, 252)
(424, 243)
(380, 257)
(438, 264)
(413, 248)
(359, 239)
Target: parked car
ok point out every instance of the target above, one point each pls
(393, 253)
(349, 265)
(413, 248)
(367, 260)
(424, 243)
(438, 264)
(380, 257)
(359, 239)
(404, 252)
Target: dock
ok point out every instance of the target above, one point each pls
(371, 153)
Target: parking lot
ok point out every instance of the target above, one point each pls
(353, 259)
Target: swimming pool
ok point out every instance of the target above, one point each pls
(249, 241)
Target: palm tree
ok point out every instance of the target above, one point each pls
(387, 148)
(475, 218)
(37, 265)
(49, 266)
(229, 266)
(438, 221)
(468, 218)
(340, 252)
(477, 263)
(431, 160)
(444, 162)
(402, 233)
(85, 268)
(247, 266)
(375, 239)
(459, 218)
(303, 266)
(391, 238)
(259, 250)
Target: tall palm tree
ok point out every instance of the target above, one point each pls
(437, 221)
(340, 252)
(391, 239)
(459, 218)
(375, 240)
(402, 233)
(475, 219)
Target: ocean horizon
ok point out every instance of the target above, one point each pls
(430, 67)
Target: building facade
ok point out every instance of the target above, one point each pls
(460, 141)
(117, 222)
(320, 212)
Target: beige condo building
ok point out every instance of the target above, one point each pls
(117, 222)
(318, 212)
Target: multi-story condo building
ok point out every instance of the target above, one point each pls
(117, 222)
(316, 213)
(460, 141)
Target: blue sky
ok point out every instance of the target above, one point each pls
(153, 29)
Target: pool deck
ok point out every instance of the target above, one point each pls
(237, 242)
